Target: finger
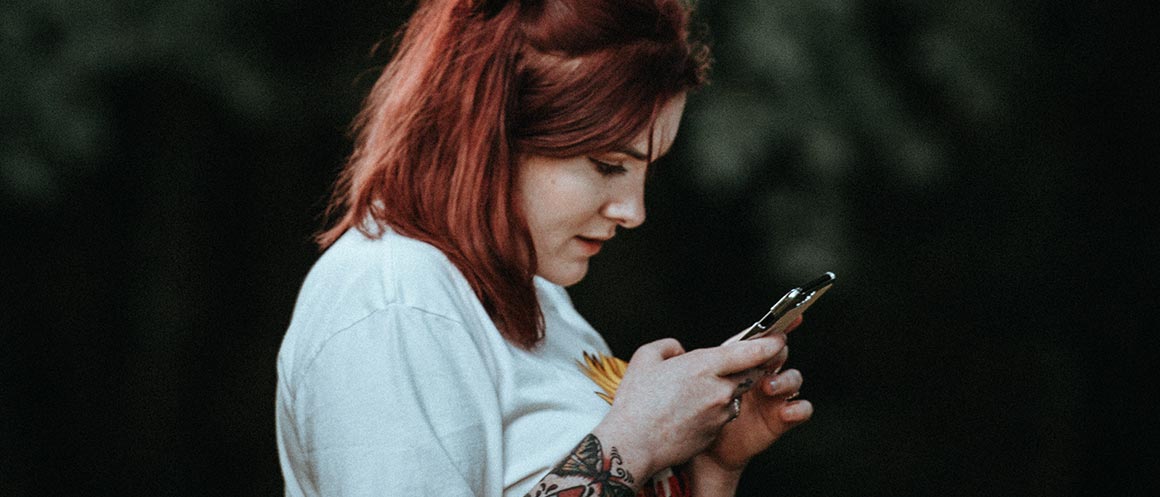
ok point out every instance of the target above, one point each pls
(784, 384)
(773, 366)
(797, 322)
(796, 412)
(778, 360)
(740, 356)
(658, 351)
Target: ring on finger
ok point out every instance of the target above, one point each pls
(734, 408)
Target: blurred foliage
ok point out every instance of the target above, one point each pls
(59, 58)
(808, 96)
(162, 166)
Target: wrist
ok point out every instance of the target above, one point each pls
(708, 478)
(632, 452)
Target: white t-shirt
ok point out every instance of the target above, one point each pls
(393, 380)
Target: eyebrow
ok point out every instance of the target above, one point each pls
(632, 152)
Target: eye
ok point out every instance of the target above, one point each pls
(606, 168)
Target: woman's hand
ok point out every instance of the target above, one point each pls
(672, 405)
(768, 411)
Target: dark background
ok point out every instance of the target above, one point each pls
(975, 172)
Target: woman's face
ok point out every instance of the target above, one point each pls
(574, 204)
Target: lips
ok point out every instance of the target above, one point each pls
(591, 246)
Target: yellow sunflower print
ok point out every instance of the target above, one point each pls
(606, 371)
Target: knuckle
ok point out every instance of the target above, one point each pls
(722, 397)
(748, 352)
(665, 344)
(657, 345)
(775, 345)
(702, 362)
(640, 352)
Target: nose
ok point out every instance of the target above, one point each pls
(626, 206)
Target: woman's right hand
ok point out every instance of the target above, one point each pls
(672, 404)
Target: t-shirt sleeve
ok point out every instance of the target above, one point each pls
(401, 403)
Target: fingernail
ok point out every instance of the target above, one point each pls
(797, 410)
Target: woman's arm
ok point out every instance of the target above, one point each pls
(589, 465)
(670, 406)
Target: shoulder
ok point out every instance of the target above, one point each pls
(360, 279)
(366, 274)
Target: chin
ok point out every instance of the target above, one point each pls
(566, 276)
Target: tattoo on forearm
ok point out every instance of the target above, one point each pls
(586, 473)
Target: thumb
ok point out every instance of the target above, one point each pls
(658, 351)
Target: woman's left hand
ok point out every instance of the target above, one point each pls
(768, 411)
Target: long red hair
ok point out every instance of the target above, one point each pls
(472, 86)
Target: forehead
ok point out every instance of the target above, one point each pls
(662, 131)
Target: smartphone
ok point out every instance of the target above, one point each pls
(780, 316)
(789, 307)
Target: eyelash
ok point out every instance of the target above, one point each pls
(607, 169)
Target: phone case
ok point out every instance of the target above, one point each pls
(790, 307)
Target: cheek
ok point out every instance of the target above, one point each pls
(553, 222)
(561, 199)
(544, 220)
(537, 225)
(558, 198)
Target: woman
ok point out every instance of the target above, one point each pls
(433, 349)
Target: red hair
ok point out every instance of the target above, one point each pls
(476, 83)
